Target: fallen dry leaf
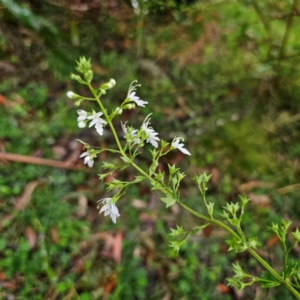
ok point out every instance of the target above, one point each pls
(112, 245)
(82, 205)
(215, 178)
(288, 188)
(3, 100)
(208, 230)
(139, 204)
(260, 200)
(24, 199)
(110, 283)
(224, 289)
(116, 252)
(31, 236)
(272, 241)
(59, 151)
(54, 235)
(254, 184)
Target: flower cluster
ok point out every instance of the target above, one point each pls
(147, 133)
(94, 118)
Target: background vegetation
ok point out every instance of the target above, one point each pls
(224, 74)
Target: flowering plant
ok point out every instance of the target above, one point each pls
(168, 184)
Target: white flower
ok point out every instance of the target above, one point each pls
(95, 117)
(97, 121)
(132, 137)
(152, 137)
(88, 158)
(132, 97)
(81, 118)
(176, 145)
(71, 94)
(137, 100)
(109, 208)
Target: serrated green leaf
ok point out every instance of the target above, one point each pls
(290, 269)
(107, 165)
(103, 176)
(153, 167)
(126, 159)
(138, 179)
(178, 231)
(168, 200)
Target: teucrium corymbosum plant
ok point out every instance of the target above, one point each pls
(131, 144)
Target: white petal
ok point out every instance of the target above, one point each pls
(84, 154)
(81, 124)
(99, 128)
(81, 118)
(140, 102)
(175, 143)
(95, 115)
(124, 127)
(184, 151)
(81, 112)
(87, 159)
(90, 163)
(154, 143)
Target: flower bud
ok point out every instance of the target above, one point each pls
(111, 83)
(88, 75)
(129, 106)
(119, 111)
(70, 94)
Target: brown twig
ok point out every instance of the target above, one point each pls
(39, 161)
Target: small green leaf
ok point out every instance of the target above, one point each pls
(253, 243)
(178, 231)
(290, 269)
(103, 176)
(244, 200)
(126, 159)
(160, 176)
(168, 200)
(175, 245)
(210, 208)
(267, 280)
(296, 235)
(199, 228)
(138, 179)
(107, 165)
(153, 167)
(172, 169)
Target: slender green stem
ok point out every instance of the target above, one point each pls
(284, 282)
(214, 221)
(107, 119)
